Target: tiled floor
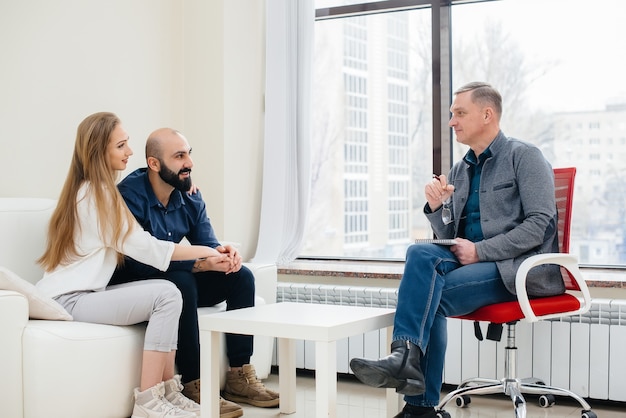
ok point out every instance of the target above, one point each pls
(355, 400)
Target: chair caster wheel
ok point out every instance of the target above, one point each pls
(463, 401)
(588, 414)
(546, 401)
(443, 414)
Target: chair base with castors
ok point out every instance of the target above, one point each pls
(512, 387)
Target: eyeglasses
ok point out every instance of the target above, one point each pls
(446, 213)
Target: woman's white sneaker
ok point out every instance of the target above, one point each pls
(173, 393)
(151, 403)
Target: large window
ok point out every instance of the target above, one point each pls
(560, 75)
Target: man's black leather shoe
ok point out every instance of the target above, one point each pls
(410, 411)
(400, 370)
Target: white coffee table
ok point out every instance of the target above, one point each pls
(288, 321)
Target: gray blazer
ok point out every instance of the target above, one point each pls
(517, 212)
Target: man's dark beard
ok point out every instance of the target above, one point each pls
(173, 180)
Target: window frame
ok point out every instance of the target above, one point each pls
(442, 136)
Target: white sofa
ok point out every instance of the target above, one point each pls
(66, 369)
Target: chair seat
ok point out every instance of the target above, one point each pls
(502, 313)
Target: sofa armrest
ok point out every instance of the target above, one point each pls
(266, 283)
(266, 280)
(13, 320)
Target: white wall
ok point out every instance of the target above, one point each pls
(194, 65)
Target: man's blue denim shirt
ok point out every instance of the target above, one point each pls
(184, 216)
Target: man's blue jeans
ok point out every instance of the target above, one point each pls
(434, 286)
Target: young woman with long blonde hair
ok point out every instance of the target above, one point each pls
(90, 231)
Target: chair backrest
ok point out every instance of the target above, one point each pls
(564, 193)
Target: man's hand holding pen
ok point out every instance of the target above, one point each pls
(438, 191)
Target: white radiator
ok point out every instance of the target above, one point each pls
(585, 354)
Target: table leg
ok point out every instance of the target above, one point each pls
(287, 375)
(394, 400)
(210, 355)
(326, 379)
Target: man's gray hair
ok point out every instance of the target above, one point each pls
(483, 94)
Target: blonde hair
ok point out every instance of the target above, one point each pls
(89, 164)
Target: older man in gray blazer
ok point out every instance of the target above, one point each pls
(498, 204)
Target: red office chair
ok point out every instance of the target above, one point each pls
(531, 310)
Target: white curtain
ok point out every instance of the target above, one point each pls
(286, 184)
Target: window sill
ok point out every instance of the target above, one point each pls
(392, 270)
(386, 270)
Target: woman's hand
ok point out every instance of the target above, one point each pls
(193, 190)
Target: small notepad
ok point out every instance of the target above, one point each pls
(436, 241)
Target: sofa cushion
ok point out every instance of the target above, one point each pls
(70, 366)
(40, 306)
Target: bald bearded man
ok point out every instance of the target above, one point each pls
(160, 198)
